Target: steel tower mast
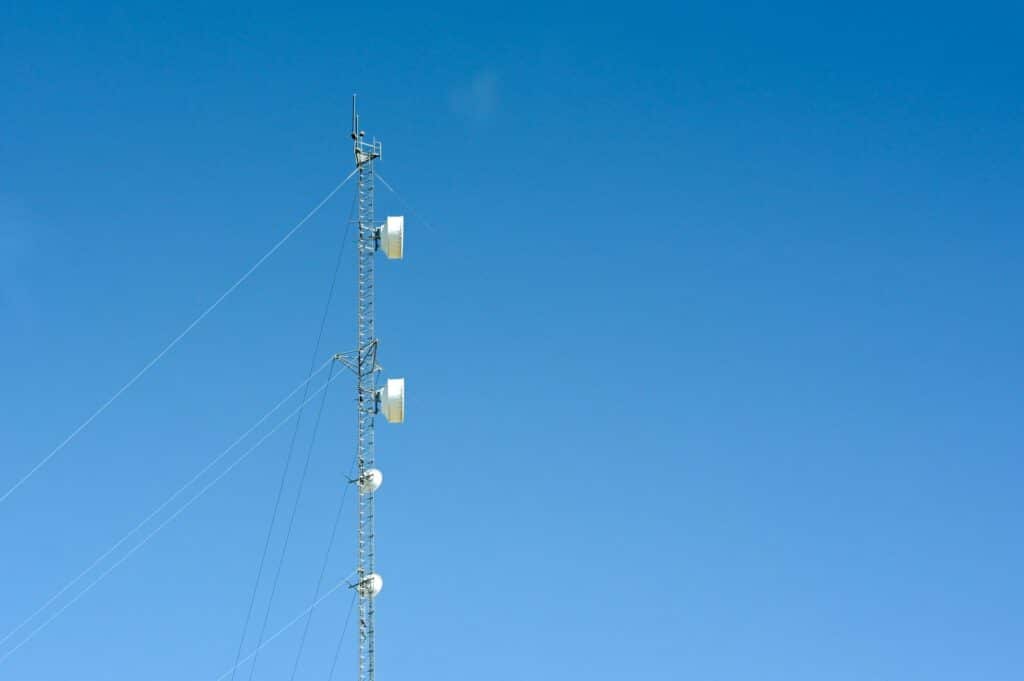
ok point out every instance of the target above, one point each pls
(366, 372)
(370, 399)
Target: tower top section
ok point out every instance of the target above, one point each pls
(364, 151)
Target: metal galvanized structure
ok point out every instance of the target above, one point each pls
(366, 372)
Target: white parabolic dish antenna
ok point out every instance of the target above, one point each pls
(392, 237)
(371, 481)
(371, 585)
(392, 400)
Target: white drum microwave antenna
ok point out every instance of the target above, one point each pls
(391, 236)
(392, 400)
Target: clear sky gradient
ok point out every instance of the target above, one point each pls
(710, 319)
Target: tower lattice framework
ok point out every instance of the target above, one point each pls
(366, 371)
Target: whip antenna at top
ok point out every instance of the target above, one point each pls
(355, 119)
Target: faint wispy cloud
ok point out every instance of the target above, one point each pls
(478, 99)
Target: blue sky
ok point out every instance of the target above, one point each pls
(710, 321)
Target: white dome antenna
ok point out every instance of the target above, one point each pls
(371, 585)
(370, 481)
